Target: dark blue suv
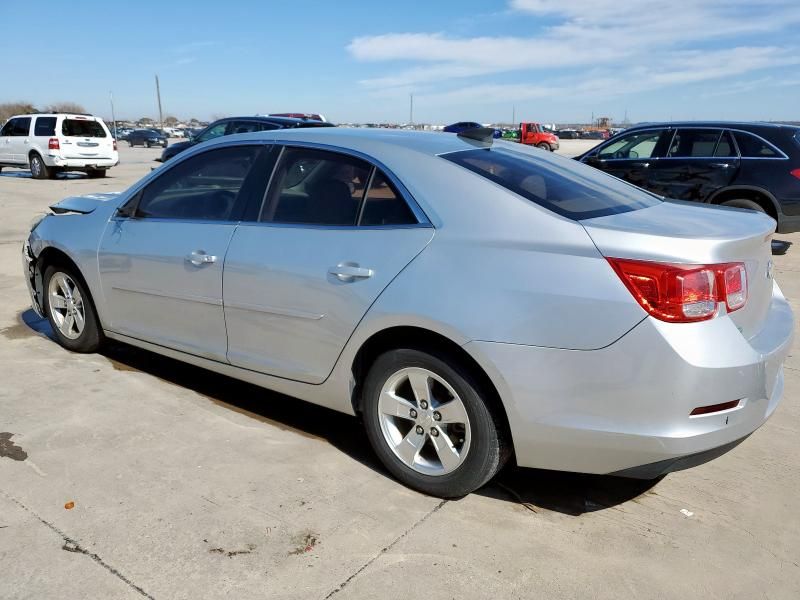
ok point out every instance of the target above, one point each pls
(744, 165)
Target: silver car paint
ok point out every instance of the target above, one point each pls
(588, 381)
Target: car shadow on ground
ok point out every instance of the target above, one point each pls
(27, 175)
(567, 493)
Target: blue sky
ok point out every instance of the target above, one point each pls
(354, 60)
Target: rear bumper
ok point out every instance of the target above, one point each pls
(626, 408)
(82, 163)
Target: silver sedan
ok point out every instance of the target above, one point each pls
(473, 300)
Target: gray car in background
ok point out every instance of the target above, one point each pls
(472, 300)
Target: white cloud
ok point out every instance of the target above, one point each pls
(618, 46)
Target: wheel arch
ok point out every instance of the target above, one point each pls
(748, 192)
(50, 256)
(419, 338)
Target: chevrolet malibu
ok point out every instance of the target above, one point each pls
(471, 299)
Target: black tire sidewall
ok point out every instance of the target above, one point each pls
(91, 337)
(744, 203)
(43, 172)
(485, 456)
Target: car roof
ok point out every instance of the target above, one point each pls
(745, 125)
(380, 143)
(285, 121)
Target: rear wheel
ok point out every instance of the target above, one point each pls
(70, 310)
(130, 143)
(147, 144)
(744, 203)
(430, 423)
(39, 170)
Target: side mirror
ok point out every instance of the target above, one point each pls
(127, 210)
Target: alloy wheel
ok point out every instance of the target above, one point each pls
(424, 421)
(66, 305)
(36, 166)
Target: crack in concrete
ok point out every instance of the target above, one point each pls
(71, 545)
(383, 551)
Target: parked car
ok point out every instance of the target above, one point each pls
(52, 143)
(594, 135)
(471, 300)
(232, 125)
(295, 115)
(147, 138)
(121, 134)
(568, 134)
(744, 165)
(464, 125)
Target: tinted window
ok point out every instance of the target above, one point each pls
(22, 127)
(634, 145)
(797, 138)
(694, 143)
(82, 128)
(204, 187)
(244, 127)
(573, 191)
(725, 146)
(315, 187)
(384, 206)
(216, 131)
(45, 126)
(8, 127)
(751, 146)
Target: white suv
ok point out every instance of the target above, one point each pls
(52, 143)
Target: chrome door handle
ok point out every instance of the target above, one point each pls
(640, 164)
(350, 272)
(199, 257)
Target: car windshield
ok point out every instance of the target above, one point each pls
(570, 190)
(82, 128)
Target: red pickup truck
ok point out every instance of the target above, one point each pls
(533, 134)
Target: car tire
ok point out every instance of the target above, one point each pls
(65, 297)
(130, 143)
(744, 203)
(96, 173)
(543, 146)
(468, 446)
(39, 170)
(147, 144)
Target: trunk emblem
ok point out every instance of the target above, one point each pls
(770, 268)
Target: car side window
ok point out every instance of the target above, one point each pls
(8, 128)
(751, 146)
(383, 205)
(694, 143)
(635, 145)
(317, 188)
(204, 187)
(215, 132)
(725, 147)
(22, 127)
(244, 127)
(44, 126)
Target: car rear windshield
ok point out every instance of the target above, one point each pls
(82, 128)
(574, 191)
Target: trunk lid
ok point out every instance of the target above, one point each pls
(83, 137)
(687, 232)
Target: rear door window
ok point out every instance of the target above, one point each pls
(317, 188)
(82, 128)
(45, 126)
(751, 146)
(641, 144)
(384, 206)
(725, 147)
(694, 143)
(573, 191)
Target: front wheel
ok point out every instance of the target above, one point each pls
(543, 146)
(430, 423)
(70, 310)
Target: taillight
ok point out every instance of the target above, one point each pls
(683, 293)
(796, 173)
(52, 144)
(115, 145)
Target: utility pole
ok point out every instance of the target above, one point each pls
(513, 115)
(160, 115)
(411, 109)
(113, 118)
